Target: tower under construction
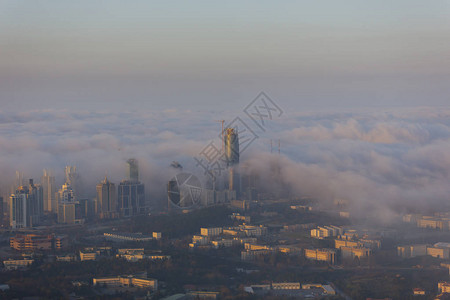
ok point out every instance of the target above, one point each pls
(231, 143)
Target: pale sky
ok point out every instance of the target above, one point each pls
(220, 54)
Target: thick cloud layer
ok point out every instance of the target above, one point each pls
(381, 162)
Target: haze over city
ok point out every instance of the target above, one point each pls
(361, 136)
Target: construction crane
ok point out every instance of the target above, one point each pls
(222, 121)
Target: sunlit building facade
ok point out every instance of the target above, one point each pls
(26, 206)
(106, 199)
(66, 198)
(49, 190)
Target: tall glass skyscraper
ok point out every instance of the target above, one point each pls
(232, 158)
(66, 204)
(73, 180)
(26, 206)
(131, 192)
(19, 215)
(106, 199)
(67, 197)
(49, 190)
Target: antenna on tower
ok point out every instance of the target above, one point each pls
(279, 146)
(271, 147)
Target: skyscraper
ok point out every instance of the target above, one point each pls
(37, 201)
(19, 215)
(49, 189)
(73, 180)
(26, 206)
(133, 170)
(66, 212)
(231, 142)
(131, 198)
(231, 146)
(66, 204)
(106, 199)
(18, 182)
(71, 174)
(66, 197)
(131, 192)
(65, 194)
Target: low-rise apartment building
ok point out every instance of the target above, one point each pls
(350, 252)
(127, 280)
(212, 231)
(326, 231)
(327, 255)
(32, 242)
(15, 264)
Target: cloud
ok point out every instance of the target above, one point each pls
(383, 162)
(372, 131)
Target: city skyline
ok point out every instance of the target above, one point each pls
(87, 82)
(224, 149)
(398, 151)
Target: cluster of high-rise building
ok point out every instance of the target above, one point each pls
(222, 188)
(66, 198)
(131, 192)
(28, 203)
(129, 200)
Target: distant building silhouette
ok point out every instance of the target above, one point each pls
(67, 199)
(66, 204)
(49, 190)
(133, 170)
(231, 143)
(131, 192)
(26, 206)
(19, 210)
(131, 198)
(106, 199)
(18, 182)
(73, 180)
(71, 174)
(66, 212)
(65, 194)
